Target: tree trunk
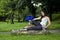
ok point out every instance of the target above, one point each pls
(12, 18)
(49, 11)
(32, 9)
(18, 18)
(50, 15)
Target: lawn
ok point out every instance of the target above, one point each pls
(4, 26)
(30, 37)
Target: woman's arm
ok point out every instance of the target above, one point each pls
(37, 18)
(49, 22)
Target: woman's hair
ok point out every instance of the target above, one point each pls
(45, 13)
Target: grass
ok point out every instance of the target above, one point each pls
(30, 37)
(54, 25)
(56, 17)
(4, 26)
(8, 27)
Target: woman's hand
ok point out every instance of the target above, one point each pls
(48, 22)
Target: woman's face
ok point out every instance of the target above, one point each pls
(42, 13)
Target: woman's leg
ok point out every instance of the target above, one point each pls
(32, 23)
(29, 27)
(29, 24)
(35, 23)
(25, 30)
(35, 28)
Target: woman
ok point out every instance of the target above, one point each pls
(45, 23)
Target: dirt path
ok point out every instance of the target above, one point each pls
(51, 31)
(54, 31)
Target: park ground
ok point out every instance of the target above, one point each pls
(6, 27)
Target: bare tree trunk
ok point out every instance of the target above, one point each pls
(18, 18)
(12, 18)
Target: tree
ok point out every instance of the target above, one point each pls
(11, 7)
(3, 12)
(24, 3)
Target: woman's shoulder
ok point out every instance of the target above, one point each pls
(47, 16)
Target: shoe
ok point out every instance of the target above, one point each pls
(18, 31)
(13, 31)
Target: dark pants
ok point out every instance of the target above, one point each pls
(37, 26)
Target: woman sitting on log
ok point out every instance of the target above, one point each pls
(45, 23)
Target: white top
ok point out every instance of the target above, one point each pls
(43, 21)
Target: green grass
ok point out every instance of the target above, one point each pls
(30, 37)
(56, 21)
(56, 17)
(54, 25)
(7, 27)
(4, 26)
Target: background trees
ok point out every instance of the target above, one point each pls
(18, 9)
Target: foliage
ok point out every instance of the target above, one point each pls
(11, 6)
(21, 8)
